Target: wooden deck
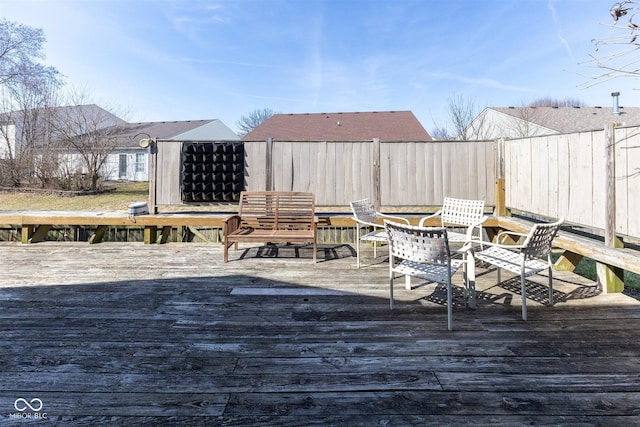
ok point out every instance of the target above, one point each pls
(133, 334)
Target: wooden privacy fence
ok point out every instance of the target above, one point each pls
(395, 174)
(550, 176)
(590, 178)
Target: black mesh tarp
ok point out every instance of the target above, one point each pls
(212, 171)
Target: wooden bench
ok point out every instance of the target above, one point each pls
(272, 216)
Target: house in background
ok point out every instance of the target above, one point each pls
(8, 138)
(130, 162)
(357, 126)
(31, 128)
(519, 122)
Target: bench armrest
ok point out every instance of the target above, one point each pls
(231, 224)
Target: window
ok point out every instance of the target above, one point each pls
(122, 167)
(140, 162)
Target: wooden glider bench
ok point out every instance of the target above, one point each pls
(272, 216)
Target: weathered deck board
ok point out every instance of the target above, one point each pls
(137, 335)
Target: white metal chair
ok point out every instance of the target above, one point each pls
(530, 257)
(365, 216)
(460, 213)
(421, 252)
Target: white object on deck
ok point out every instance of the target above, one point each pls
(138, 208)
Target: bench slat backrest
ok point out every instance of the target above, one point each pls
(277, 210)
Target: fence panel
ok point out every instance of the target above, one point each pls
(411, 173)
(565, 175)
(628, 181)
(598, 171)
(167, 177)
(337, 172)
(423, 173)
(255, 165)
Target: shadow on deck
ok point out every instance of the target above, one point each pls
(133, 334)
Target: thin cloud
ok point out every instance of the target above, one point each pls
(191, 22)
(558, 26)
(484, 82)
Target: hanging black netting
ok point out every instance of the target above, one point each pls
(212, 171)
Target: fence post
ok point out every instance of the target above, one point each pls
(153, 175)
(268, 167)
(611, 278)
(376, 174)
(501, 209)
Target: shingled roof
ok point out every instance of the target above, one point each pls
(357, 126)
(130, 134)
(572, 119)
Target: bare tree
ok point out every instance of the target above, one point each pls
(467, 121)
(9, 169)
(35, 154)
(462, 111)
(254, 119)
(21, 50)
(87, 135)
(522, 123)
(617, 55)
(25, 85)
(553, 102)
(440, 133)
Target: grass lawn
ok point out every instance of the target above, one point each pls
(125, 193)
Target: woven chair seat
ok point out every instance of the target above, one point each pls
(375, 236)
(431, 272)
(511, 261)
(454, 236)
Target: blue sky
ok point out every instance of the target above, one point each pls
(187, 59)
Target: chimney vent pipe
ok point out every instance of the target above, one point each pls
(616, 107)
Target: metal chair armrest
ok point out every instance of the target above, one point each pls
(483, 243)
(480, 222)
(398, 218)
(466, 248)
(476, 225)
(370, 224)
(424, 219)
